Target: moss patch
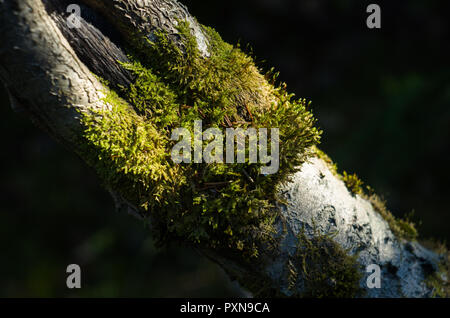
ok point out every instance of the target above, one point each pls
(327, 270)
(402, 228)
(438, 281)
(332, 166)
(221, 206)
(353, 183)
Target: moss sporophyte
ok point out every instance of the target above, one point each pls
(228, 207)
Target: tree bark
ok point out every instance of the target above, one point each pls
(48, 69)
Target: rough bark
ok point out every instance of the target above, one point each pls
(47, 69)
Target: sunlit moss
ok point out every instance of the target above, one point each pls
(439, 281)
(323, 268)
(353, 183)
(332, 166)
(402, 228)
(221, 206)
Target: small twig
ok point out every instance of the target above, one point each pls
(241, 122)
(213, 185)
(228, 121)
(248, 176)
(202, 114)
(249, 112)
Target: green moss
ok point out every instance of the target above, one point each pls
(438, 281)
(129, 153)
(227, 207)
(327, 270)
(353, 183)
(439, 286)
(402, 228)
(332, 166)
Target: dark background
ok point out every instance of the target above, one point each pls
(382, 98)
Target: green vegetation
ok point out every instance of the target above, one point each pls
(327, 270)
(438, 280)
(353, 183)
(221, 206)
(402, 228)
(330, 164)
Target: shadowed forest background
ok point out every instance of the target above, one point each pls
(382, 98)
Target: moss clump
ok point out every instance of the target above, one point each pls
(402, 228)
(438, 281)
(329, 162)
(327, 270)
(221, 206)
(226, 83)
(353, 183)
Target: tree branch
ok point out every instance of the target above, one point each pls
(48, 70)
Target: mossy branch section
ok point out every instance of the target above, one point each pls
(228, 207)
(438, 280)
(323, 268)
(402, 228)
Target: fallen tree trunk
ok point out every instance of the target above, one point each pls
(324, 231)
